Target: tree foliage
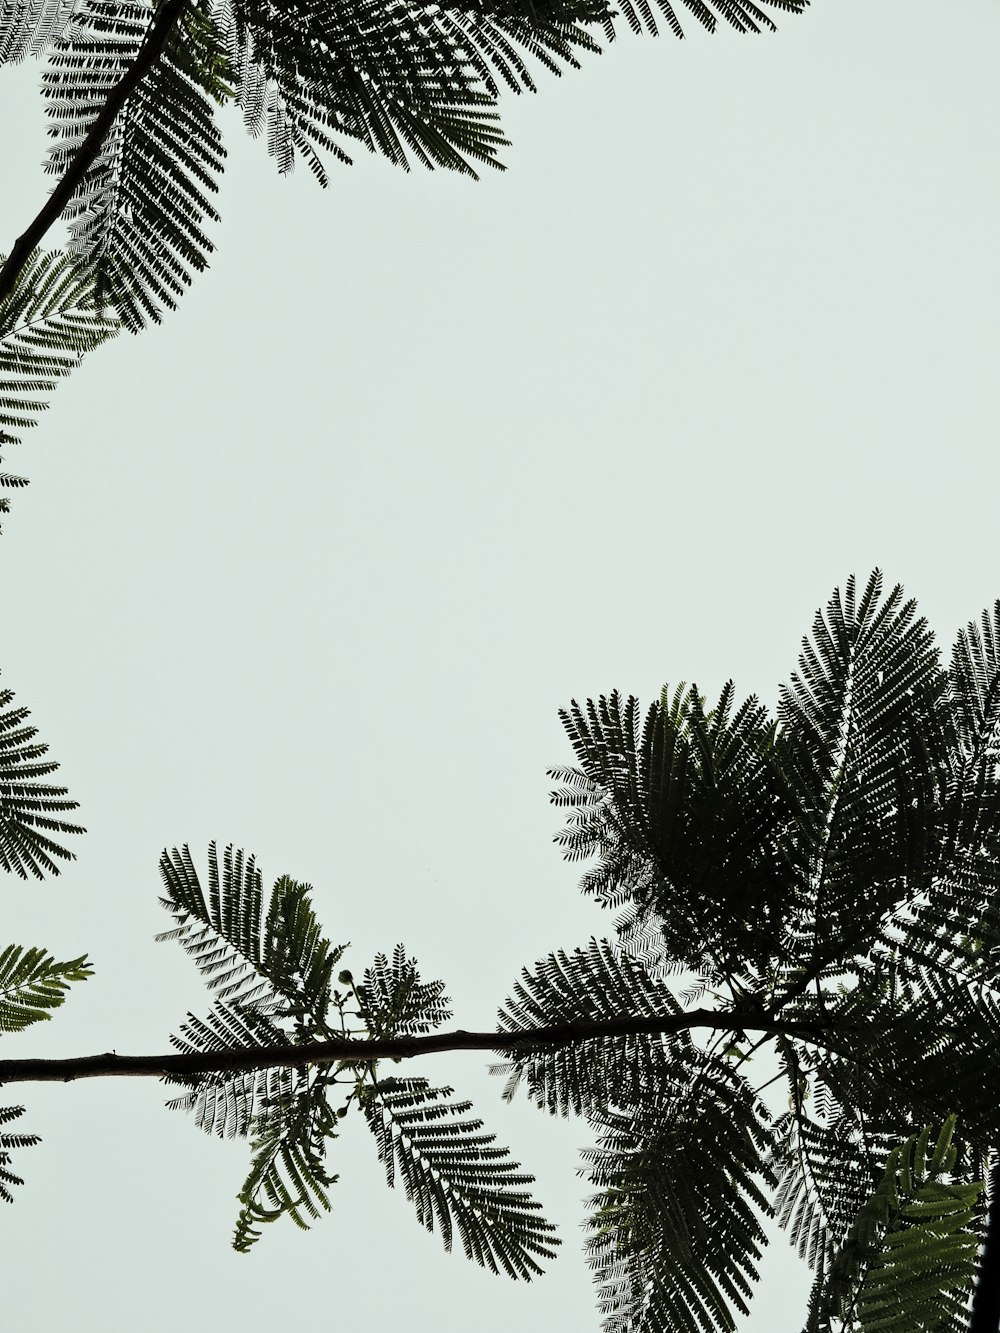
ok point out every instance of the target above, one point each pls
(30, 810)
(273, 973)
(133, 90)
(828, 875)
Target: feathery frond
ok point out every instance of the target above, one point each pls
(29, 27)
(227, 1103)
(863, 738)
(906, 1263)
(32, 984)
(838, 867)
(278, 964)
(47, 325)
(288, 1175)
(674, 1238)
(455, 1177)
(407, 79)
(137, 219)
(29, 809)
(396, 1001)
(685, 813)
(7, 1143)
(274, 972)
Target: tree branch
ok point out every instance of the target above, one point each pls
(985, 1314)
(352, 1051)
(83, 159)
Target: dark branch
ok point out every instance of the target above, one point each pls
(985, 1314)
(152, 48)
(394, 1048)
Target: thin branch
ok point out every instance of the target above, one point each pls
(985, 1314)
(290, 1056)
(83, 159)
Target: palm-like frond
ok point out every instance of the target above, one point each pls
(825, 1173)
(29, 809)
(455, 1177)
(288, 1175)
(742, 15)
(137, 219)
(47, 325)
(418, 81)
(598, 982)
(685, 812)
(29, 27)
(956, 930)
(7, 1143)
(674, 1238)
(906, 1263)
(271, 967)
(410, 80)
(279, 963)
(397, 1002)
(33, 983)
(864, 739)
(392, 77)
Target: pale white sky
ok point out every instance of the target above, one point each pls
(312, 567)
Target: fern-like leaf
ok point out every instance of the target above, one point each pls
(29, 27)
(674, 1237)
(685, 809)
(906, 1265)
(396, 1002)
(288, 1175)
(32, 984)
(279, 963)
(8, 1142)
(455, 1177)
(226, 1103)
(29, 810)
(47, 325)
(138, 217)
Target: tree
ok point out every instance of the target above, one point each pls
(827, 876)
(716, 827)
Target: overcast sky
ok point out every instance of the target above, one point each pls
(312, 567)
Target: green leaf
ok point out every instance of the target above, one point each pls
(279, 963)
(906, 1263)
(288, 1176)
(32, 984)
(47, 325)
(687, 810)
(29, 809)
(598, 982)
(227, 1103)
(396, 1002)
(674, 1234)
(8, 1142)
(138, 217)
(455, 1177)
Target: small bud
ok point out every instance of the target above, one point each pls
(346, 977)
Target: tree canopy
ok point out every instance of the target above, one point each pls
(827, 875)
(132, 92)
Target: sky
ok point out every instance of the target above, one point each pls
(312, 567)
